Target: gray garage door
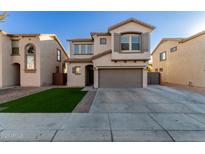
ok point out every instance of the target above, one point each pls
(120, 78)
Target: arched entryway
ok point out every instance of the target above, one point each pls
(89, 75)
(16, 74)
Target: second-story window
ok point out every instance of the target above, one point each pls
(124, 41)
(89, 49)
(130, 42)
(15, 47)
(83, 49)
(76, 49)
(30, 57)
(135, 43)
(173, 49)
(162, 56)
(103, 41)
(58, 55)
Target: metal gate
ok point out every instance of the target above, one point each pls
(153, 78)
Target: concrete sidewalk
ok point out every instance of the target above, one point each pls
(156, 113)
(102, 127)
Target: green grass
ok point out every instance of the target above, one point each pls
(57, 100)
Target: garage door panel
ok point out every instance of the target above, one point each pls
(120, 78)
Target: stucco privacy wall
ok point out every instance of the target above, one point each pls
(106, 62)
(185, 65)
(48, 60)
(76, 80)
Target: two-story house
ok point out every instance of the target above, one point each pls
(30, 59)
(181, 60)
(114, 59)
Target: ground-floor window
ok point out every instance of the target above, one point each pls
(76, 70)
(30, 57)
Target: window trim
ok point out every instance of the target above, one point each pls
(140, 46)
(74, 49)
(102, 39)
(74, 72)
(15, 46)
(58, 51)
(127, 36)
(25, 59)
(130, 43)
(165, 56)
(171, 49)
(80, 52)
(161, 69)
(13, 53)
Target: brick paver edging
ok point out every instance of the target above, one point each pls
(20, 95)
(85, 103)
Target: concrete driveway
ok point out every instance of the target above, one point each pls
(136, 113)
(154, 99)
(156, 113)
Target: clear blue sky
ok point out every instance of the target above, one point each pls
(79, 24)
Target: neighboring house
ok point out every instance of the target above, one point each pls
(181, 60)
(30, 59)
(114, 59)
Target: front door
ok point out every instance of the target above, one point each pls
(89, 75)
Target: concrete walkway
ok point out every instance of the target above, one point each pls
(156, 113)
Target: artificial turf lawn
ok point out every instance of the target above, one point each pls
(55, 100)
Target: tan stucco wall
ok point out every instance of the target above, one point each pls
(0, 61)
(157, 64)
(72, 55)
(48, 59)
(129, 27)
(29, 79)
(8, 70)
(98, 48)
(106, 62)
(185, 65)
(76, 80)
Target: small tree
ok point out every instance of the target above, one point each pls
(3, 16)
(149, 68)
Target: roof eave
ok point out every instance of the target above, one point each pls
(192, 37)
(100, 33)
(165, 39)
(80, 40)
(131, 20)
